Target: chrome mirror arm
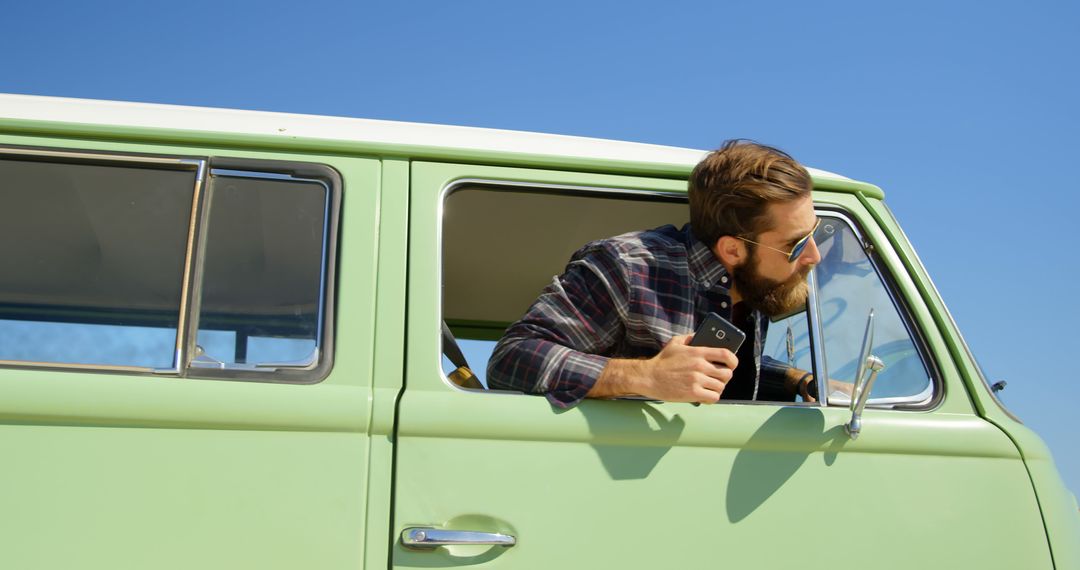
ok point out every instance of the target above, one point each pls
(864, 355)
(860, 389)
(858, 401)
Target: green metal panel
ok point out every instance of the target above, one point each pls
(108, 471)
(389, 356)
(636, 485)
(82, 496)
(677, 486)
(1058, 506)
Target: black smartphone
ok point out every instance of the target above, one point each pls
(718, 332)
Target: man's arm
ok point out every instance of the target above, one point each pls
(558, 347)
(781, 383)
(779, 378)
(679, 373)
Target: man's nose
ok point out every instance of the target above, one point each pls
(811, 255)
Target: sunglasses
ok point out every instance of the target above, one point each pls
(799, 245)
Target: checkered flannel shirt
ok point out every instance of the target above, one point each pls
(622, 297)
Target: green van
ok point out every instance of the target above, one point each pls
(221, 347)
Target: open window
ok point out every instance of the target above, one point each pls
(502, 244)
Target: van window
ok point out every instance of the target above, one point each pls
(93, 256)
(263, 271)
(490, 282)
(139, 264)
(849, 286)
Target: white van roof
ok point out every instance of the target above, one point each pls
(290, 125)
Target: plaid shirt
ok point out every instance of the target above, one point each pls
(622, 297)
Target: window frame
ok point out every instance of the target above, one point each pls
(274, 169)
(817, 349)
(194, 255)
(525, 188)
(136, 160)
(902, 307)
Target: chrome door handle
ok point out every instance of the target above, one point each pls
(429, 537)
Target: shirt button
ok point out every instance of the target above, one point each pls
(723, 304)
(723, 279)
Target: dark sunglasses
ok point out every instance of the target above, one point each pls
(799, 245)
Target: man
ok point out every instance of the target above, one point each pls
(617, 322)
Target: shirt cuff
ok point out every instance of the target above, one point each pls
(567, 383)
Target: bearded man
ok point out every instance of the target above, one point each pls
(619, 320)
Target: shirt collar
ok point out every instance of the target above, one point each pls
(704, 266)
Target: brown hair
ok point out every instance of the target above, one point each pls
(732, 186)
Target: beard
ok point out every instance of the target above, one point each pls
(770, 296)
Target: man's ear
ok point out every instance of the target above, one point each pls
(730, 250)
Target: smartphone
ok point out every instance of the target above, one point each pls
(718, 332)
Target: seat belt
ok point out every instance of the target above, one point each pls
(463, 376)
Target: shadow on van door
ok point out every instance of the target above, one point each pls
(630, 437)
(774, 453)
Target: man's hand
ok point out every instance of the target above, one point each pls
(802, 383)
(679, 373)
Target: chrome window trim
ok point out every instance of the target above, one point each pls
(82, 367)
(557, 188)
(180, 360)
(199, 166)
(515, 185)
(183, 163)
(820, 364)
(927, 397)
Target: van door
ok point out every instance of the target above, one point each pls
(170, 396)
(632, 484)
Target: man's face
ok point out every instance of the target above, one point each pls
(767, 280)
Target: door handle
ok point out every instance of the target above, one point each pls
(429, 537)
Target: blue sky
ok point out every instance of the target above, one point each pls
(964, 112)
